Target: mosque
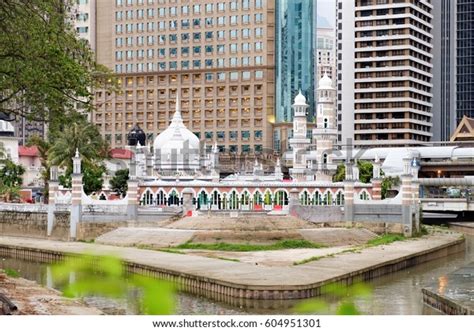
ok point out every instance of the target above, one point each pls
(178, 162)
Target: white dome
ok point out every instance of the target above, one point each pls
(325, 83)
(176, 136)
(300, 100)
(176, 148)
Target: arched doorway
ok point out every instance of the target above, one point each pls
(161, 199)
(257, 201)
(305, 199)
(327, 198)
(202, 201)
(233, 201)
(317, 198)
(281, 199)
(267, 200)
(245, 201)
(215, 200)
(147, 198)
(339, 198)
(173, 199)
(224, 202)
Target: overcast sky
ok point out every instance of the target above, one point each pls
(327, 9)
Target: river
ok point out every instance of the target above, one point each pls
(395, 294)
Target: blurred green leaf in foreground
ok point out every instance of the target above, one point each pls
(106, 276)
(344, 295)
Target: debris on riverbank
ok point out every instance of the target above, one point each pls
(33, 299)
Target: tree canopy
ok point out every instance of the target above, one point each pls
(366, 175)
(45, 70)
(119, 182)
(11, 174)
(84, 137)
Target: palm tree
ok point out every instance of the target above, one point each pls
(81, 136)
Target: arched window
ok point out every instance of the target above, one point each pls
(215, 199)
(326, 123)
(305, 199)
(245, 198)
(173, 199)
(325, 158)
(317, 198)
(268, 198)
(339, 198)
(233, 201)
(257, 198)
(202, 199)
(281, 198)
(364, 196)
(147, 199)
(161, 198)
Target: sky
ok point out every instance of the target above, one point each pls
(327, 10)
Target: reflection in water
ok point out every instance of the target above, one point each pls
(395, 294)
(442, 284)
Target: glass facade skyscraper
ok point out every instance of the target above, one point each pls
(295, 50)
(464, 59)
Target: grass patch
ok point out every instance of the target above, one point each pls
(170, 250)
(385, 240)
(282, 244)
(357, 250)
(12, 273)
(312, 259)
(227, 259)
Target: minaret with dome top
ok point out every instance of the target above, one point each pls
(325, 133)
(300, 142)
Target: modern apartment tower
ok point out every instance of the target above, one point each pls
(218, 56)
(295, 65)
(385, 72)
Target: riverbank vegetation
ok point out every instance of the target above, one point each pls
(229, 247)
(385, 239)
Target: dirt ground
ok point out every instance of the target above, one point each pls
(241, 223)
(33, 299)
(281, 258)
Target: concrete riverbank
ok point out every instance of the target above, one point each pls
(452, 294)
(465, 227)
(240, 280)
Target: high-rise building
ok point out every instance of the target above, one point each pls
(295, 65)
(84, 20)
(464, 63)
(385, 72)
(326, 52)
(453, 67)
(218, 56)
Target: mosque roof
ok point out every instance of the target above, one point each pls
(176, 135)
